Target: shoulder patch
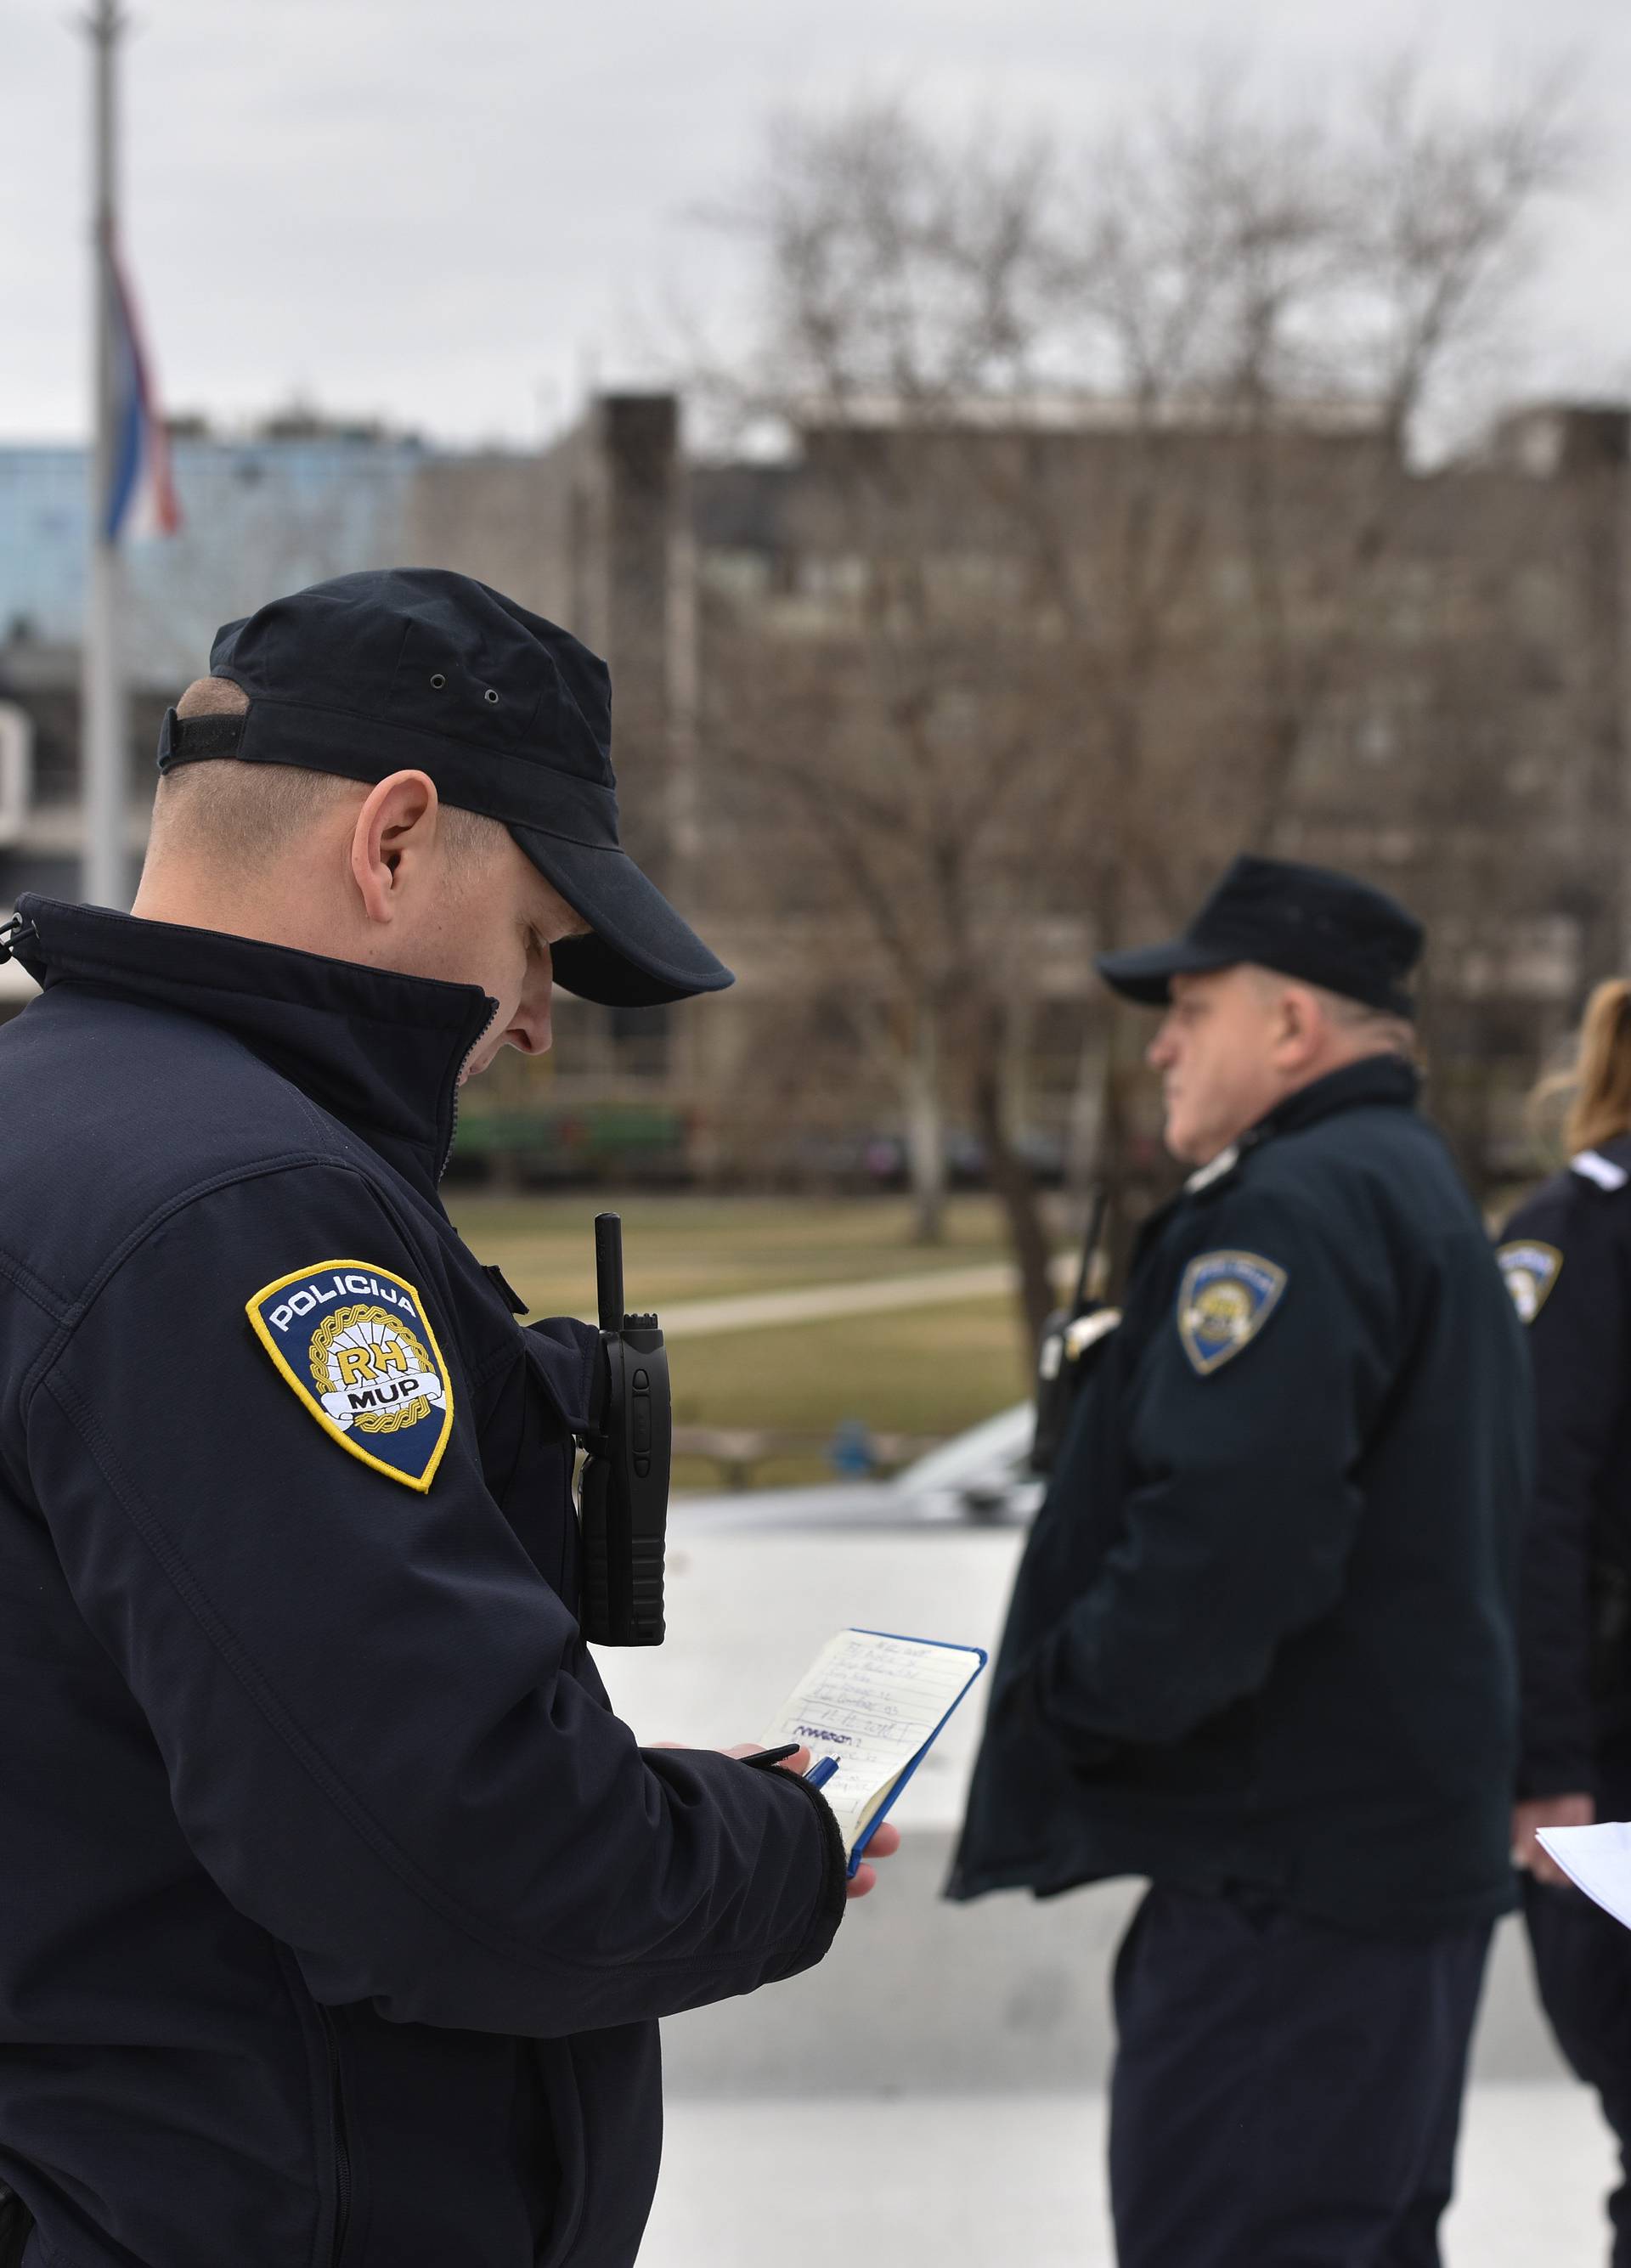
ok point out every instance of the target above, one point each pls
(1530, 1269)
(1224, 1301)
(354, 1342)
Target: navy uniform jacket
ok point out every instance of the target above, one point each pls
(335, 1906)
(1566, 1258)
(1262, 1631)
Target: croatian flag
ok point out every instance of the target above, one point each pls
(140, 499)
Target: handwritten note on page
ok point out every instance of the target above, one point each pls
(875, 1703)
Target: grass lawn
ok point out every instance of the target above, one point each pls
(928, 1370)
(922, 1370)
(706, 1248)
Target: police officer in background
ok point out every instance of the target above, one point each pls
(1566, 1258)
(336, 1907)
(1260, 1648)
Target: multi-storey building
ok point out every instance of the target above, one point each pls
(1318, 649)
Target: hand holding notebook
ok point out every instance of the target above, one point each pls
(873, 1703)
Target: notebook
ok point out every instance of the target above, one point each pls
(1597, 1859)
(874, 1703)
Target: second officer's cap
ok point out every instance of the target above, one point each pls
(1307, 922)
(415, 668)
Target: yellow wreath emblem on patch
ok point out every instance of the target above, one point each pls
(363, 1343)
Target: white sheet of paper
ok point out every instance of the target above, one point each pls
(1598, 1860)
(874, 1703)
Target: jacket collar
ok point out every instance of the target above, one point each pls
(379, 1052)
(1374, 1079)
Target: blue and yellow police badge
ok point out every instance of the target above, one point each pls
(1530, 1269)
(1224, 1301)
(352, 1340)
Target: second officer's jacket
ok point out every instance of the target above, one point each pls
(1565, 1254)
(337, 1906)
(1262, 1632)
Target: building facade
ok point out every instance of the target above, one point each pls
(1117, 655)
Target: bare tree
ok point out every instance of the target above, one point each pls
(1106, 494)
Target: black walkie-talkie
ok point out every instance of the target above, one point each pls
(1067, 1336)
(625, 1475)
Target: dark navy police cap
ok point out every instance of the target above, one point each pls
(1307, 922)
(415, 668)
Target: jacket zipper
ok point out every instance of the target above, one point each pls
(453, 1125)
(338, 2142)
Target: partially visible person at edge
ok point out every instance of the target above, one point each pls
(1260, 1646)
(337, 1907)
(1566, 1258)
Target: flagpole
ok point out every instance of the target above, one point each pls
(102, 699)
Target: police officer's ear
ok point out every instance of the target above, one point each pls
(394, 841)
(1299, 1018)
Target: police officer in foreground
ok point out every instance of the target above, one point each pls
(1259, 1649)
(336, 1907)
(1566, 1258)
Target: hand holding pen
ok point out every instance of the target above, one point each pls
(791, 1758)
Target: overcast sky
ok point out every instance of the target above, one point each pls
(457, 214)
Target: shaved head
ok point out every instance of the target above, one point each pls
(244, 817)
(382, 873)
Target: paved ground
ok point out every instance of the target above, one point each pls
(875, 2110)
(1017, 2181)
(918, 1996)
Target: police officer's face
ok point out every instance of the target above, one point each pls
(431, 903)
(1218, 1051)
(524, 917)
(502, 918)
